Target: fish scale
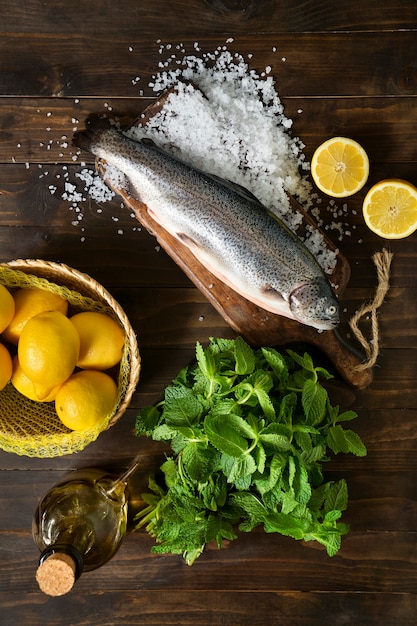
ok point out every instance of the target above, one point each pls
(224, 226)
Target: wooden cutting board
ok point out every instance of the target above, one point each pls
(257, 326)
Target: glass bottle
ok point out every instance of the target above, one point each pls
(79, 525)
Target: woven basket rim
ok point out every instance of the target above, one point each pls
(61, 274)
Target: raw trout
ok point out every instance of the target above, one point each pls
(227, 229)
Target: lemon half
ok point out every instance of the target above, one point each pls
(340, 167)
(390, 208)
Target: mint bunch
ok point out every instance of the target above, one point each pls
(249, 431)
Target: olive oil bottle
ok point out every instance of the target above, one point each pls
(79, 525)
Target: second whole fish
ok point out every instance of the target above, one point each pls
(226, 228)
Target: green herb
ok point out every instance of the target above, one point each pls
(249, 431)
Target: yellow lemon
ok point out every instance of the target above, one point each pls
(25, 386)
(101, 340)
(340, 167)
(30, 301)
(6, 366)
(48, 350)
(7, 307)
(85, 399)
(390, 208)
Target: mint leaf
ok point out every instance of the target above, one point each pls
(245, 357)
(204, 360)
(305, 361)
(271, 475)
(337, 497)
(200, 461)
(147, 420)
(346, 416)
(219, 529)
(238, 470)
(355, 444)
(286, 524)
(251, 509)
(265, 403)
(340, 440)
(314, 400)
(239, 424)
(223, 435)
(287, 408)
(275, 437)
(331, 541)
(183, 409)
(277, 363)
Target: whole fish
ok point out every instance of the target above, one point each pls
(227, 229)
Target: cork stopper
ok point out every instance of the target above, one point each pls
(56, 574)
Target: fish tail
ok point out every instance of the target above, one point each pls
(95, 127)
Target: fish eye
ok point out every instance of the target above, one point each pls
(331, 310)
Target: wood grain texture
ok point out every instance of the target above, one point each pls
(73, 65)
(349, 70)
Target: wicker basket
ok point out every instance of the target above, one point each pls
(33, 428)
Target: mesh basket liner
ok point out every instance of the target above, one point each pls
(33, 428)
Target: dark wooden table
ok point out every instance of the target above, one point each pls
(351, 67)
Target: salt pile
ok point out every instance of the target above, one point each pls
(226, 119)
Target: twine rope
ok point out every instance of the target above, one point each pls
(382, 262)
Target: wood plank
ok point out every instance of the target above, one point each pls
(372, 562)
(375, 496)
(40, 130)
(217, 16)
(245, 608)
(310, 64)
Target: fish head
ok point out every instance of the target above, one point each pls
(314, 304)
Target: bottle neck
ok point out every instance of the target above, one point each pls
(69, 550)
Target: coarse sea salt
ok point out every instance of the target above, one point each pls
(228, 120)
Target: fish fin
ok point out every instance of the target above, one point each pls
(188, 241)
(270, 291)
(242, 191)
(150, 142)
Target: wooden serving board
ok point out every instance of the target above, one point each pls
(257, 326)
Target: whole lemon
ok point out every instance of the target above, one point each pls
(101, 340)
(6, 366)
(48, 350)
(85, 399)
(30, 301)
(7, 307)
(25, 386)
